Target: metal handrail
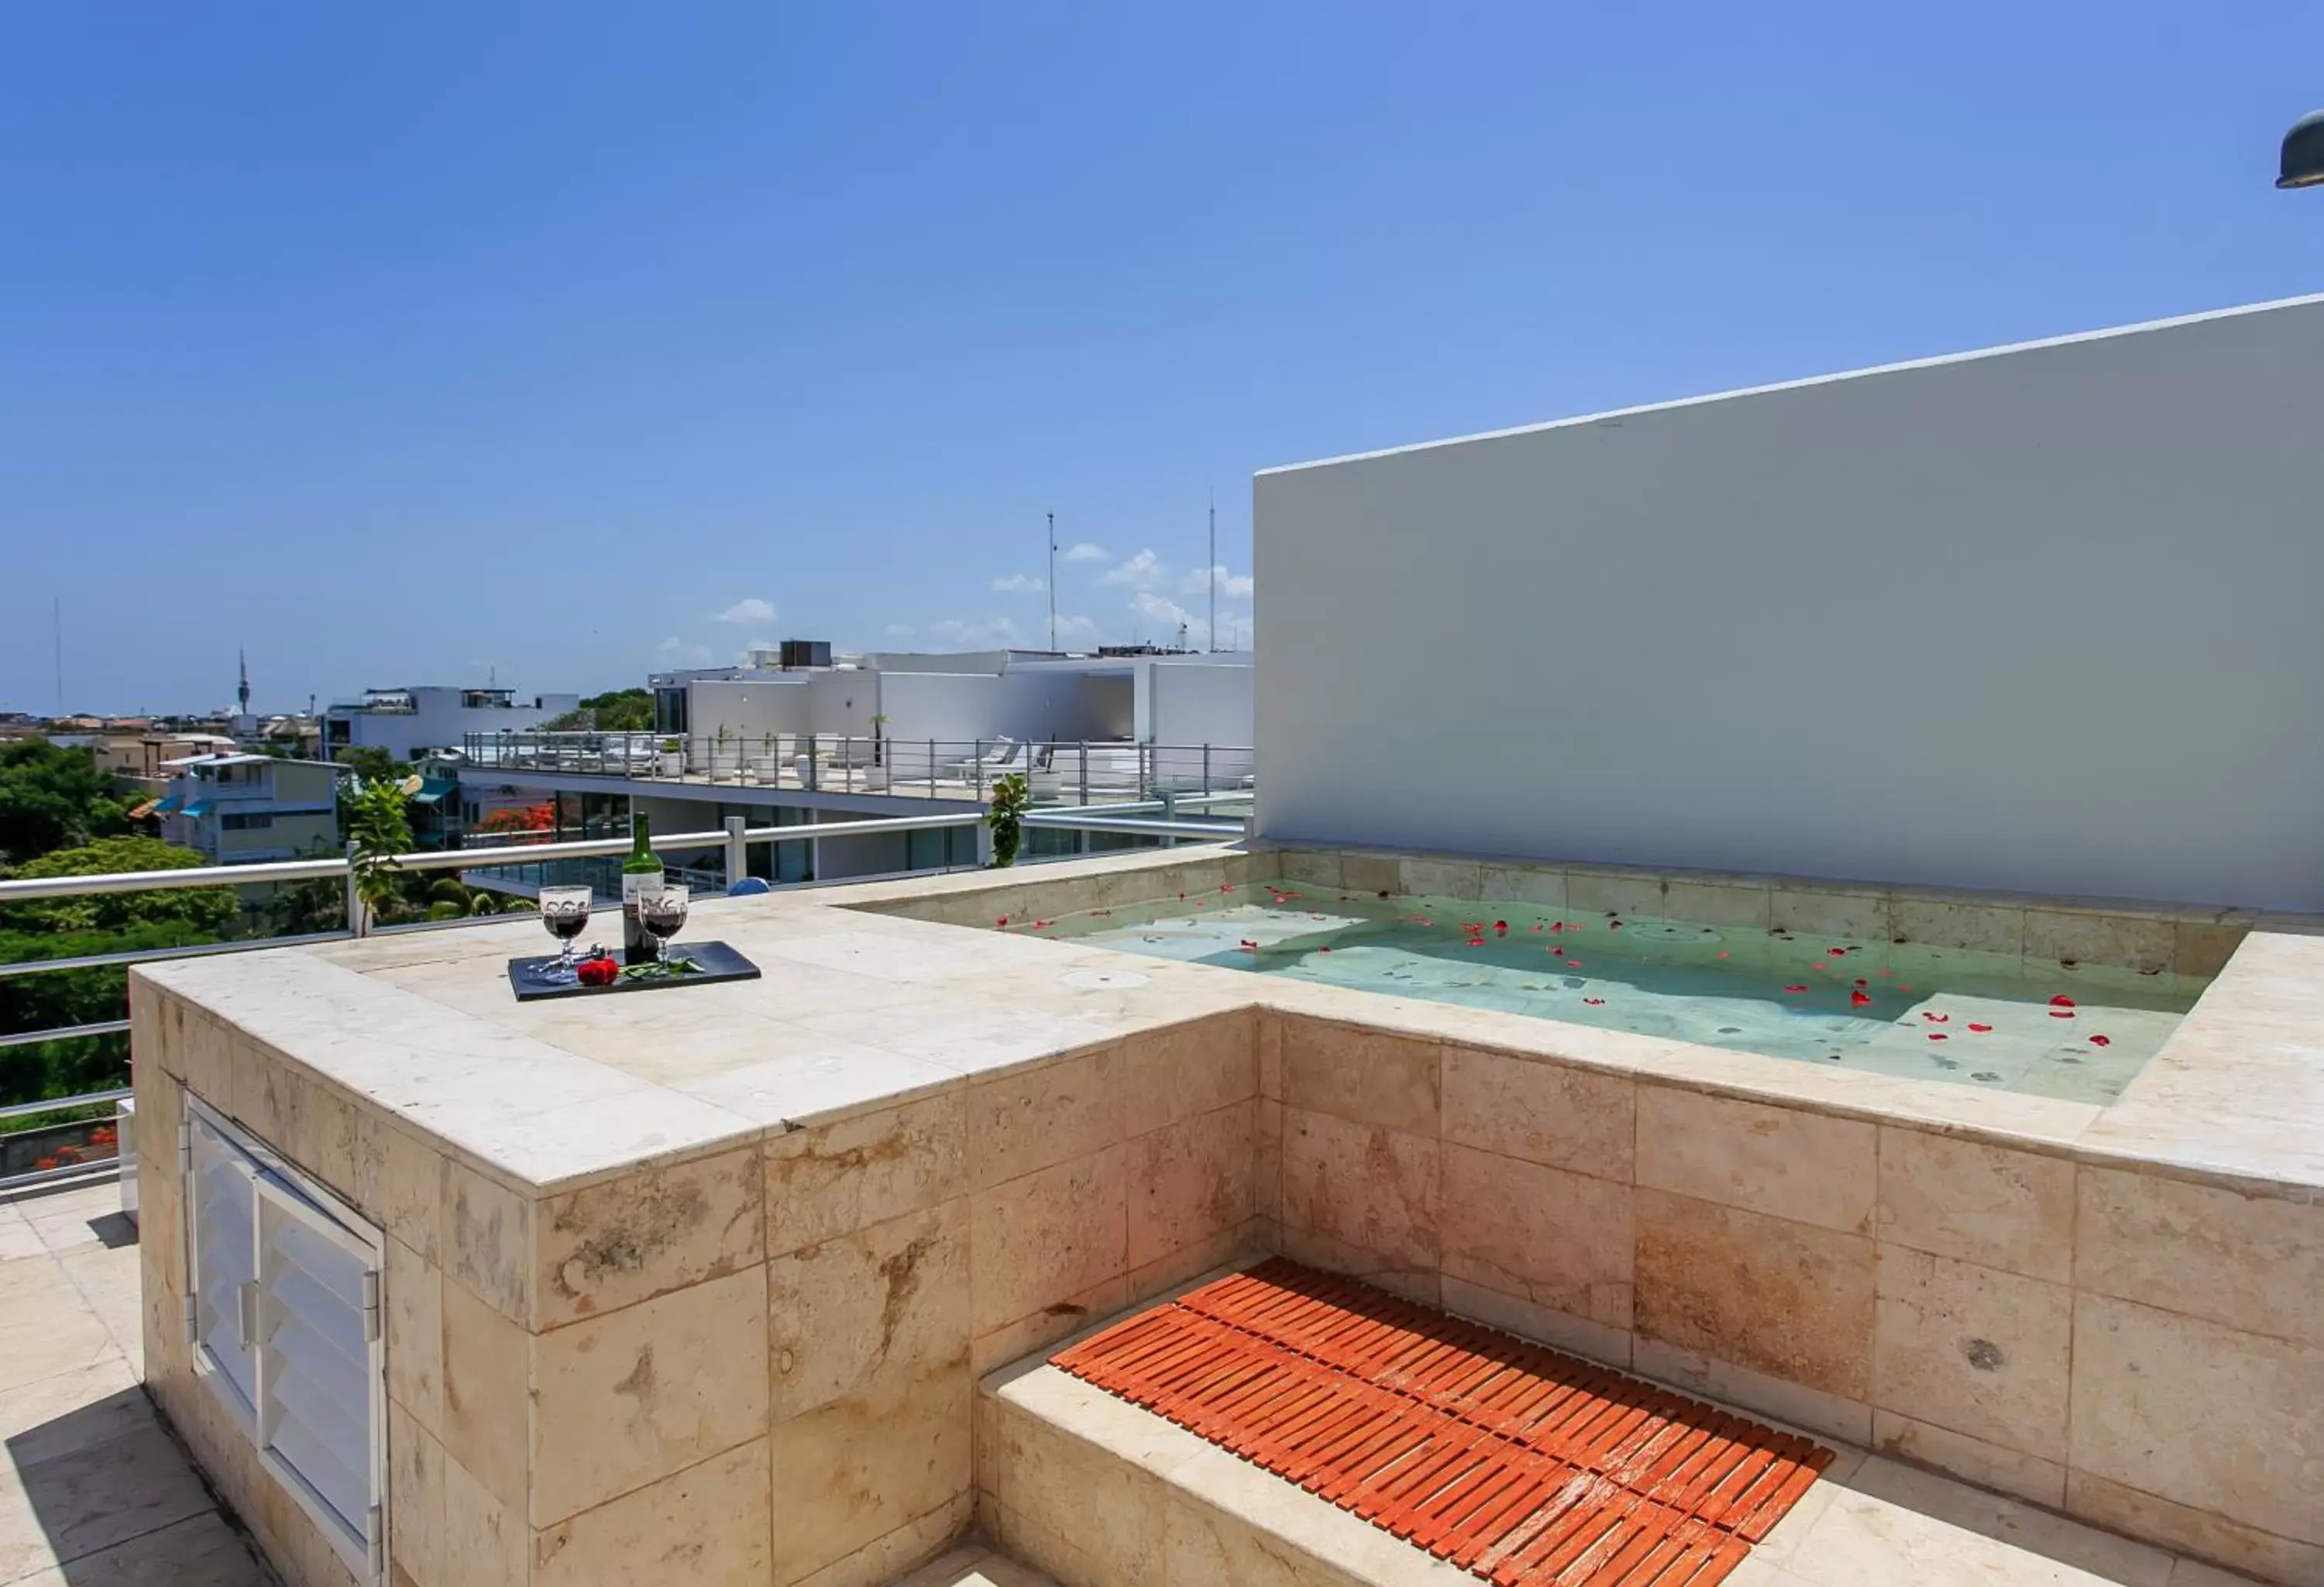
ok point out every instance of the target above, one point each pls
(58, 1104)
(735, 838)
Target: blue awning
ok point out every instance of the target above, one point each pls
(197, 809)
(168, 807)
(434, 789)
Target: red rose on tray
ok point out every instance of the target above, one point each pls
(597, 971)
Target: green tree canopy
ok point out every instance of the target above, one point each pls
(621, 710)
(374, 764)
(100, 923)
(204, 911)
(52, 798)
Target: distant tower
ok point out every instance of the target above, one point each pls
(242, 692)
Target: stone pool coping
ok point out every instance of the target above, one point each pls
(2105, 1311)
(869, 1001)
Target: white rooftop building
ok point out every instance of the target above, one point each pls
(406, 721)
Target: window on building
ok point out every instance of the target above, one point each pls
(253, 821)
(285, 1324)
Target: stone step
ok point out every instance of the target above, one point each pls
(974, 1565)
(1100, 1493)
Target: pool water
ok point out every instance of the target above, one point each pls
(2077, 1032)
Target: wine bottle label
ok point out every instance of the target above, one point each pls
(637, 946)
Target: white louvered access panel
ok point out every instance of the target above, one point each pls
(287, 1321)
(220, 1199)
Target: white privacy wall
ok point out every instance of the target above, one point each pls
(2049, 618)
(1204, 700)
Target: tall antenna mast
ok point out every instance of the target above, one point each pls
(242, 688)
(1053, 581)
(1214, 640)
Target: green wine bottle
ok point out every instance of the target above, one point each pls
(640, 873)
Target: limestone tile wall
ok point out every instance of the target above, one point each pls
(755, 1364)
(1062, 887)
(913, 1247)
(170, 1041)
(2111, 1339)
(2193, 941)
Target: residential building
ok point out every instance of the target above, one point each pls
(852, 737)
(149, 758)
(241, 809)
(408, 722)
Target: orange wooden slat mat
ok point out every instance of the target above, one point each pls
(1520, 1465)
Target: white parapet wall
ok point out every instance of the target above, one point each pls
(2046, 618)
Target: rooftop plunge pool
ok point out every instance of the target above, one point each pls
(2048, 1027)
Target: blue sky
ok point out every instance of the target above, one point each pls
(401, 343)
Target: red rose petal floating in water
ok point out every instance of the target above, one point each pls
(1980, 1029)
(1857, 999)
(2100, 1041)
(1537, 925)
(1795, 989)
(1883, 972)
(1574, 963)
(2061, 1001)
(1836, 952)
(2061, 1007)
(1613, 926)
(1323, 950)
(1594, 1001)
(1002, 921)
(1861, 982)
(1476, 942)
(1722, 953)
(1936, 1036)
(1501, 927)
(1249, 947)
(1938, 1018)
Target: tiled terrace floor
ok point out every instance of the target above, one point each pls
(93, 1491)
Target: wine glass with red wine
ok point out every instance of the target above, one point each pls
(564, 911)
(661, 910)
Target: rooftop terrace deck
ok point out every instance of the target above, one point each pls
(914, 1154)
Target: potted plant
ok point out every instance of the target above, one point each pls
(672, 758)
(718, 752)
(1011, 798)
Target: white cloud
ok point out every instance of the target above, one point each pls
(1087, 552)
(680, 653)
(1141, 572)
(1076, 631)
(993, 633)
(899, 631)
(1169, 615)
(750, 609)
(1159, 618)
(1018, 584)
(1234, 587)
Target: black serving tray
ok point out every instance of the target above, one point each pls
(714, 962)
